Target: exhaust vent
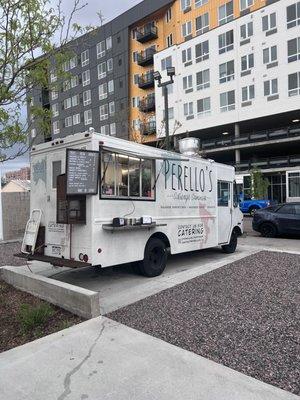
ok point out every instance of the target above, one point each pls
(189, 146)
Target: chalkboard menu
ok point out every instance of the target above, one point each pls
(82, 170)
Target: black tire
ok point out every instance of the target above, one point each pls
(155, 258)
(268, 230)
(252, 210)
(231, 246)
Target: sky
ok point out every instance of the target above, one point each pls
(87, 16)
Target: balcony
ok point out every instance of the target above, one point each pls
(147, 104)
(285, 134)
(146, 33)
(148, 128)
(146, 81)
(269, 163)
(145, 57)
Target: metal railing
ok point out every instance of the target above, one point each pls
(146, 80)
(147, 104)
(146, 33)
(267, 163)
(148, 128)
(145, 57)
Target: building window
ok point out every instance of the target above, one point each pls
(103, 91)
(108, 43)
(202, 51)
(104, 130)
(85, 58)
(169, 15)
(54, 94)
(56, 129)
(136, 79)
(227, 101)
(247, 62)
(135, 102)
(170, 40)
(188, 109)
(166, 63)
(136, 124)
(53, 76)
(226, 13)
(55, 110)
(293, 15)
(270, 54)
(271, 87)
(244, 4)
(187, 55)
(73, 62)
(203, 79)
(248, 93)
(112, 108)
(101, 49)
(56, 170)
(293, 47)
(203, 107)
(246, 30)
(67, 103)
(74, 81)
(199, 3)
(76, 119)
(202, 24)
(294, 84)
(87, 98)
(226, 42)
(66, 85)
(226, 72)
(186, 29)
(294, 184)
(188, 83)
(268, 22)
(68, 121)
(75, 100)
(135, 56)
(185, 4)
(88, 119)
(86, 77)
(101, 70)
(103, 112)
(111, 86)
(113, 129)
(110, 65)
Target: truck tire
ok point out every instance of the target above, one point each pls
(267, 229)
(155, 258)
(231, 246)
(252, 210)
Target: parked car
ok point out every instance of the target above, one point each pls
(250, 206)
(282, 219)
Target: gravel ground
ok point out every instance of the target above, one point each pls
(7, 251)
(244, 315)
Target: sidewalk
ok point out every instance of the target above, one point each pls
(102, 359)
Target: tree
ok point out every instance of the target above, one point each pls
(259, 184)
(33, 35)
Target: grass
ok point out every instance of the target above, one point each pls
(33, 317)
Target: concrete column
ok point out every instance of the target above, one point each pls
(237, 135)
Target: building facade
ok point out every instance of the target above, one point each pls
(22, 174)
(237, 88)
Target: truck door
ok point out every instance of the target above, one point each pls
(225, 209)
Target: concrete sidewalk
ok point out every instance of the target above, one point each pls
(102, 359)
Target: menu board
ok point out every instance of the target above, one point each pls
(82, 170)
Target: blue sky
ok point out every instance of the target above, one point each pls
(87, 16)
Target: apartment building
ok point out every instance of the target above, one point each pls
(237, 88)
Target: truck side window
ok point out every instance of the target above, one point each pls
(236, 197)
(223, 194)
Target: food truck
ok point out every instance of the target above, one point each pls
(98, 200)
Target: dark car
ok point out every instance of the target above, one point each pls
(283, 219)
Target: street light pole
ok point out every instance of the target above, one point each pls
(164, 86)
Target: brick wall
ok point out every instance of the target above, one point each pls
(15, 214)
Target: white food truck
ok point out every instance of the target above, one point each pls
(97, 200)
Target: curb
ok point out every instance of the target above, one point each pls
(79, 301)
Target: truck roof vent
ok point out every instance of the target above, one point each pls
(189, 146)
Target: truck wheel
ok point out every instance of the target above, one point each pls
(231, 246)
(252, 210)
(268, 230)
(155, 258)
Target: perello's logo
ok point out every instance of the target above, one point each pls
(187, 178)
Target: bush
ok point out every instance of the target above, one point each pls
(31, 317)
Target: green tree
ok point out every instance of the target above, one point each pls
(33, 36)
(259, 184)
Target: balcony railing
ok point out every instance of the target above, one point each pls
(147, 104)
(254, 137)
(268, 163)
(145, 57)
(146, 33)
(146, 81)
(148, 128)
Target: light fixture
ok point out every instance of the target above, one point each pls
(157, 75)
(295, 121)
(170, 71)
(225, 133)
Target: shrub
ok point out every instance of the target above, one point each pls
(31, 317)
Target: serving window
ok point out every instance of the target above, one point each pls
(123, 176)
